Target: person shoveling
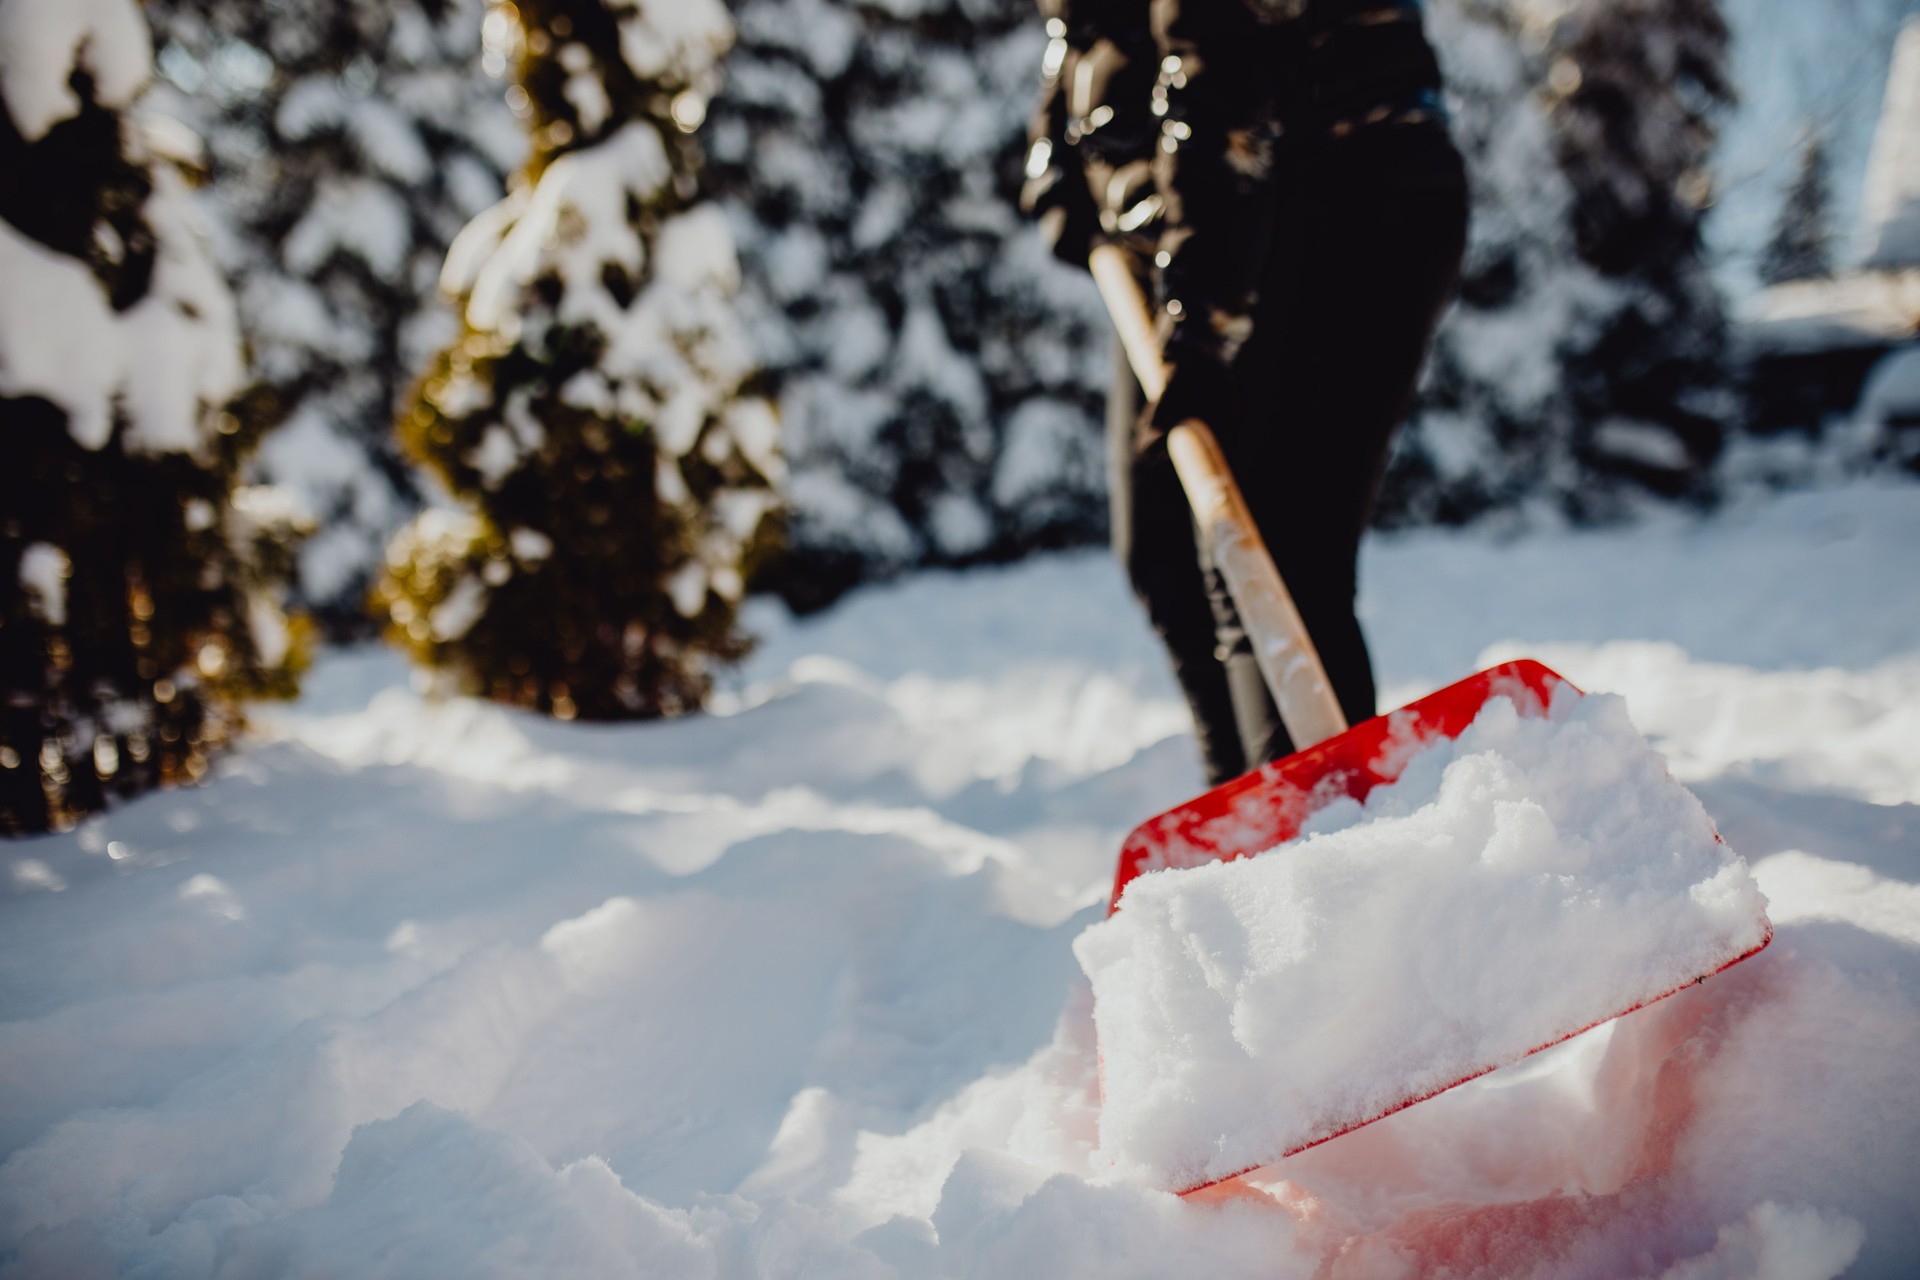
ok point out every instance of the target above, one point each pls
(1442, 890)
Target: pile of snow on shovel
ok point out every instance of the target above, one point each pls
(1515, 886)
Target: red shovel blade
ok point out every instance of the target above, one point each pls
(1266, 807)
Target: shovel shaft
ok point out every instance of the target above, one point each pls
(1281, 645)
(1112, 269)
(1287, 658)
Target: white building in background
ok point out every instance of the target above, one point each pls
(1890, 200)
(1879, 302)
(1825, 347)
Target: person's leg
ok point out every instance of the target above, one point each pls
(1366, 254)
(1153, 538)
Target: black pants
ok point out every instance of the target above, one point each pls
(1368, 241)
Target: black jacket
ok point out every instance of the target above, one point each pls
(1164, 123)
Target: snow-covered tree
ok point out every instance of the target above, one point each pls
(138, 590)
(1638, 88)
(593, 417)
(350, 140)
(1494, 420)
(1801, 247)
(1585, 361)
(940, 376)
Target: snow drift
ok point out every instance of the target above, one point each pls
(417, 987)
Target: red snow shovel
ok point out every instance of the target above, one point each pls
(1266, 807)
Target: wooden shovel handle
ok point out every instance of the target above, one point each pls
(1287, 658)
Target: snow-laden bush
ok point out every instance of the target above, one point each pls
(593, 417)
(939, 374)
(140, 591)
(349, 141)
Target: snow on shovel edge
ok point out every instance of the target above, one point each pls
(1509, 682)
(1265, 807)
(1765, 941)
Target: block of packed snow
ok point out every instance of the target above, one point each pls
(1517, 884)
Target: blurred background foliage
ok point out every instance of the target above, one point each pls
(614, 474)
(704, 255)
(347, 142)
(144, 581)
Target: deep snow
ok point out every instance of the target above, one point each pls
(418, 988)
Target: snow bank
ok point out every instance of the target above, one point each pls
(415, 987)
(1517, 885)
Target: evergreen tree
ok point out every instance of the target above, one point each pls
(940, 375)
(1637, 87)
(1801, 247)
(138, 591)
(1494, 422)
(614, 479)
(1585, 362)
(350, 141)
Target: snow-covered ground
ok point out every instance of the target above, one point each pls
(419, 988)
